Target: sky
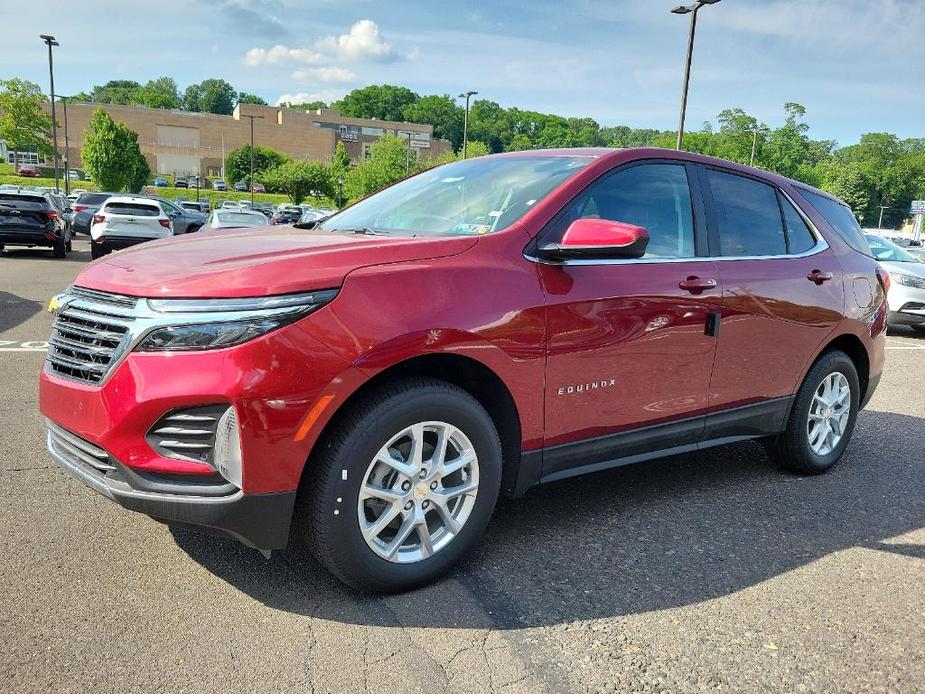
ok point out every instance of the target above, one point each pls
(856, 65)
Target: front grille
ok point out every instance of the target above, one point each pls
(88, 334)
(77, 451)
(187, 434)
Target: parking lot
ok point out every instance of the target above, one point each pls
(706, 571)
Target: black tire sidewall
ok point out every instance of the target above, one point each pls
(354, 561)
(828, 364)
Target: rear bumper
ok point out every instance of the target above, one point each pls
(257, 520)
(116, 242)
(23, 237)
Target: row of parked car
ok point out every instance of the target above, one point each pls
(41, 217)
(197, 182)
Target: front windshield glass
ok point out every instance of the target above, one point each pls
(476, 196)
(887, 250)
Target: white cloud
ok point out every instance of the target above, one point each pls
(363, 42)
(327, 96)
(280, 54)
(324, 74)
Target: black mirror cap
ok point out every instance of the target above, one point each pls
(305, 225)
(556, 253)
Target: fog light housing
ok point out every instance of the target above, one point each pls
(228, 448)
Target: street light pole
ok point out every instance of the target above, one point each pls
(466, 96)
(755, 132)
(252, 118)
(692, 11)
(50, 41)
(408, 156)
(67, 150)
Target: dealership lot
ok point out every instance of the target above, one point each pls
(709, 571)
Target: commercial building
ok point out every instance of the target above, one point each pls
(184, 143)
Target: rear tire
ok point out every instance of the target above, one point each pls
(822, 417)
(59, 249)
(429, 527)
(97, 250)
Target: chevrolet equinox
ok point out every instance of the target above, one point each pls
(370, 386)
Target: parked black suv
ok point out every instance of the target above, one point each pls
(32, 219)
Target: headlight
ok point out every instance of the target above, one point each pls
(198, 324)
(908, 280)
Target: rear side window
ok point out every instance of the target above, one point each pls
(748, 219)
(799, 238)
(841, 219)
(654, 196)
(92, 198)
(133, 209)
(24, 202)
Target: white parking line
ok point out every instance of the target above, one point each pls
(23, 346)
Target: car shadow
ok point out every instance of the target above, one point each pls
(646, 537)
(76, 256)
(15, 310)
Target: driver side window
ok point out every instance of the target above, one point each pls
(654, 196)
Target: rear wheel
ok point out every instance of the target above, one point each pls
(59, 248)
(403, 487)
(98, 250)
(822, 417)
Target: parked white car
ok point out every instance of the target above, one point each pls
(235, 219)
(907, 283)
(125, 221)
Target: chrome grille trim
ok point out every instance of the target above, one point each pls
(87, 338)
(77, 450)
(103, 297)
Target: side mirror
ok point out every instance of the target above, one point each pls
(598, 238)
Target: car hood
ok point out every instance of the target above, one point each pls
(254, 262)
(904, 267)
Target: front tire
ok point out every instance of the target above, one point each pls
(403, 487)
(822, 417)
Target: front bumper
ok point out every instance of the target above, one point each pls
(257, 520)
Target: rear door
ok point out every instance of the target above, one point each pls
(134, 220)
(782, 289)
(628, 344)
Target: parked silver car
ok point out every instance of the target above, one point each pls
(907, 282)
(235, 219)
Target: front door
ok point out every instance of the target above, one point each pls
(628, 340)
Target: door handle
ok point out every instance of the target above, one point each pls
(818, 276)
(695, 285)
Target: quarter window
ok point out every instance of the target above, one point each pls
(654, 196)
(799, 238)
(840, 217)
(748, 219)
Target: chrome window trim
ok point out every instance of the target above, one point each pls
(142, 319)
(820, 246)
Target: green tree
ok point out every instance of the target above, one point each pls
(788, 146)
(245, 98)
(210, 96)
(159, 93)
(442, 112)
(387, 163)
(299, 179)
(340, 167)
(111, 155)
(382, 101)
(23, 123)
(121, 92)
(238, 162)
(847, 181)
(309, 106)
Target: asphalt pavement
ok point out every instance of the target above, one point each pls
(709, 571)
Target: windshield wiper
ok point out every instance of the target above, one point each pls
(360, 230)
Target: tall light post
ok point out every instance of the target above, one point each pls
(50, 41)
(880, 221)
(340, 191)
(408, 156)
(67, 149)
(755, 132)
(466, 96)
(692, 11)
(251, 182)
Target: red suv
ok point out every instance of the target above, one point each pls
(372, 385)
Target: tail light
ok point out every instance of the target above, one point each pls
(164, 223)
(884, 278)
(52, 215)
(79, 208)
(99, 218)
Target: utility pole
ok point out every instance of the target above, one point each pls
(880, 221)
(251, 182)
(50, 40)
(408, 156)
(692, 11)
(755, 132)
(466, 96)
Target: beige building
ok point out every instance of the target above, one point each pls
(183, 143)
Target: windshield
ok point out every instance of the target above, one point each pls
(883, 249)
(476, 196)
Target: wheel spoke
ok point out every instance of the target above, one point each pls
(467, 487)
(407, 525)
(390, 495)
(427, 547)
(457, 463)
(373, 529)
(400, 466)
(439, 455)
(416, 456)
(450, 523)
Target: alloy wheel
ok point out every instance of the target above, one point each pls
(829, 412)
(418, 492)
